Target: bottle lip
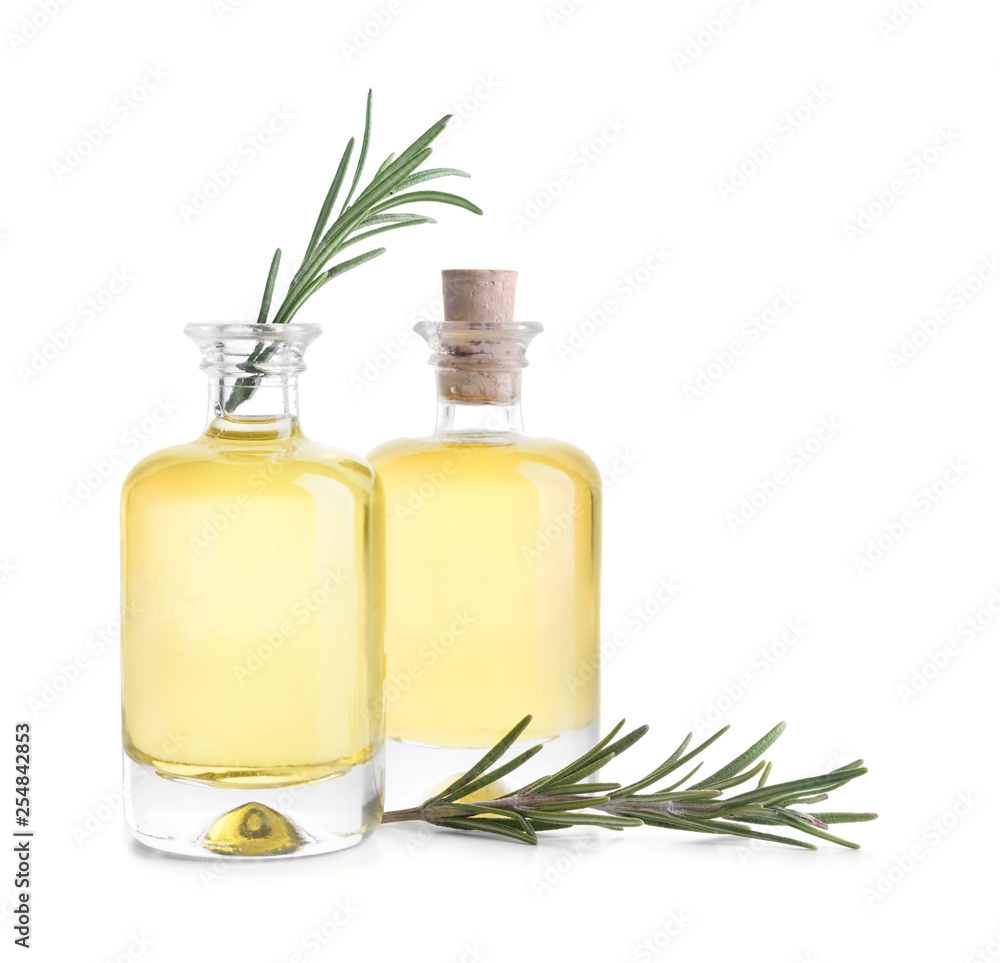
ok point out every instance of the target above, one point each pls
(495, 329)
(442, 335)
(290, 333)
(240, 349)
(478, 345)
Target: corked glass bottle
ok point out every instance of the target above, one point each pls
(493, 559)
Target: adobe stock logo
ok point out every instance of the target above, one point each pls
(581, 159)
(797, 458)
(914, 168)
(712, 28)
(87, 309)
(899, 16)
(369, 31)
(222, 177)
(955, 300)
(895, 530)
(750, 333)
(122, 107)
(787, 126)
(30, 26)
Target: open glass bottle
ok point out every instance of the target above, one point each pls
(252, 659)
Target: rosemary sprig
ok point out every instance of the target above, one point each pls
(359, 219)
(564, 799)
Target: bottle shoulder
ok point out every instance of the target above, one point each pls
(402, 453)
(339, 460)
(220, 458)
(164, 459)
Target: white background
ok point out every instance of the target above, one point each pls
(594, 137)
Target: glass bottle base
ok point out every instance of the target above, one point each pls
(189, 818)
(416, 771)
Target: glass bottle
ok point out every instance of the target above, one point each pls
(492, 564)
(252, 658)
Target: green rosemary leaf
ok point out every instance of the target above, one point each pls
(331, 197)
(796, 821)
(628, 740)
(584, 819)
(679, 751)
(414, 219)
(735, 829)
(592, 760)
(584, 760)
(674, 762)
(242, 389)
(808, 786)
(385, 164)
(606, 741)
(736, 780)
(764, 775)
(487, 760)
(690, 822)
(426, 138)
(694, 752)
(494, 774)
(682, 780)
(581, 772)
(599, 788)
(668, 765)
(389, 180)
(362, 157)
(339, 269)
(544, 826)
(510, 815)
(757, 818)
(724, 827)
(831, 818)
(387, 218)
(265, 304)
(532, 787)
(741, 762)
(439, 197)
(429, 175)
(317, 282)
(568, 805)
(493, 826)
(290, 308)
(683, 794)
(797, 796)
(857, 764)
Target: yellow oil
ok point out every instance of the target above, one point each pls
(253, 830)
(251, 637)
(492, 564)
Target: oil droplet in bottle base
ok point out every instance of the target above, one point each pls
(253, 830)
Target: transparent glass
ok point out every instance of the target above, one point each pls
(493, 566)
(252, 658)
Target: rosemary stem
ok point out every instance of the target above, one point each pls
(403, 815)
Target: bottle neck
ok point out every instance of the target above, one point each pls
(258, 408)
(486, 417)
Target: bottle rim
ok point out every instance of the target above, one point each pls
(215, 331)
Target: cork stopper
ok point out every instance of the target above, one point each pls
(479, 349)
(479, 296)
